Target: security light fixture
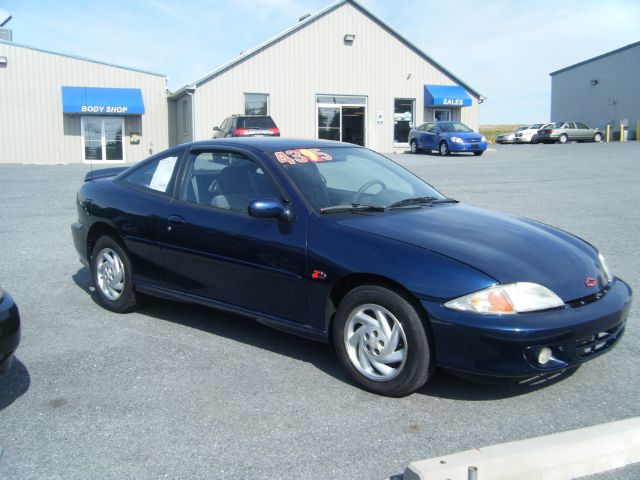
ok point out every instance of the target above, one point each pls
(349, 38)
(594, 82)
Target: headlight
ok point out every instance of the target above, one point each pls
(457, 140)
(483, 139)
(604, 267)
(507, 299)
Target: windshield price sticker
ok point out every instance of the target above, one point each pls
(302, 155)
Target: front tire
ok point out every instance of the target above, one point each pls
(444, 149)
(477, 154)
(534, 139)
(414, 147)
(381, 341)
(597, 137)
(563, 138)
(112, 276)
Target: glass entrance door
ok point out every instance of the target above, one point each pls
(342, 118)
(102, 139)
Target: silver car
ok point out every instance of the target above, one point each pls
(563, 132)
(509, 137)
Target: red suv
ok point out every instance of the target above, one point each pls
(247, 126)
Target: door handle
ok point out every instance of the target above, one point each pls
(175, 221)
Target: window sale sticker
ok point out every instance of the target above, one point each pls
(302, 155)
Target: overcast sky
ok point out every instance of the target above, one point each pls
(504, 49)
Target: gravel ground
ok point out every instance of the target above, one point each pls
(179, 391)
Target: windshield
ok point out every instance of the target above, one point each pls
(353, 177)
(454, 127)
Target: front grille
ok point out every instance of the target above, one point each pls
(473, 140)
(598, 343)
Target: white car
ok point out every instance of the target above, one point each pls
(508, 137)
(530, 134)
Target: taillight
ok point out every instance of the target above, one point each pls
(275, 131)
(240, 132)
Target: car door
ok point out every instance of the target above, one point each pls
(137, 211)
(583, 132)
(570, 130)
(429, 136)
(214, 250)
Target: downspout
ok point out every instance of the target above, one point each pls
(190, 92)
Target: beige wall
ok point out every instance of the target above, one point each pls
(315, 60)
(33, 128)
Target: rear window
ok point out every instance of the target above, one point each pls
(256, 122)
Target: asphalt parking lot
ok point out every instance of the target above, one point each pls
(178, 391)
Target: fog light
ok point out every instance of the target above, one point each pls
(545, 355)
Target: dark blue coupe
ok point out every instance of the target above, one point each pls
(446, 137)
(337, 243)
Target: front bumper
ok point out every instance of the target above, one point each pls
(9, 331)
(468, 147)
(508, 346)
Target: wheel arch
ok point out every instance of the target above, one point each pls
(350, 281)
(97, 230)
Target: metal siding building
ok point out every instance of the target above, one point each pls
(312, 62)
(600, 91)
(35, 129)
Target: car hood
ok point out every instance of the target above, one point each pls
(505, 247)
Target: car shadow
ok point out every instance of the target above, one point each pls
(250, 332)
(478, 389)
(14, 383)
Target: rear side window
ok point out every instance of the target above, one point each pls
(156, 175)
(256, 122)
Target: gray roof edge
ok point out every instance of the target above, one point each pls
(593, 59)
(311, 19)
(78, 57)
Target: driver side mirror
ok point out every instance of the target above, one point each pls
(271, 208)
(216, 129)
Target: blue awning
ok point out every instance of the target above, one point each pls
(102, 101)
(446, 96)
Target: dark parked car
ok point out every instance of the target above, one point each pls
(9, 330)
(339, 244)
(563, 132)
(247, 126)
(446, 138)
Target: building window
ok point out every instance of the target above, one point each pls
(442, 115)
(403, 115)
(256, 104)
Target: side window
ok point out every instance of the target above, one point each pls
(226, 180)
(156, 175)
(582, 126)
(430, 126)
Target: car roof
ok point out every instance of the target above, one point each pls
(268, 144)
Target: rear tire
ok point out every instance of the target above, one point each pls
(381, 341)
(443, 149)
(112, 276)
(597, 137)
(563, 138)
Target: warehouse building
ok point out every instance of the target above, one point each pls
(341, 74)
(600, 91)
(57, 108)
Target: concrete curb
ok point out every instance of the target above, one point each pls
(559, 456)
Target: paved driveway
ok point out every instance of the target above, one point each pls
(178, 391)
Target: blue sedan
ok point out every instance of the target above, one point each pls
(446, 138)
(339, 244)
